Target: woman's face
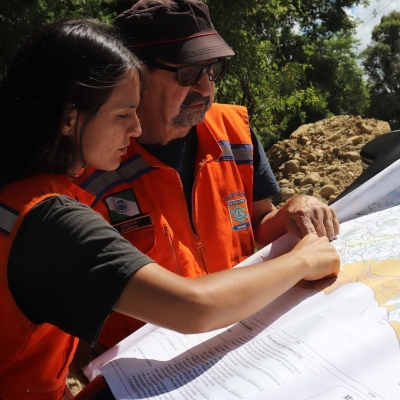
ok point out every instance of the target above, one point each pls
(107, 135)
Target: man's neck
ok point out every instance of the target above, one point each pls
(161, 135)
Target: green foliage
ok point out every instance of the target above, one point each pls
(336, 77)
(295, 62)
(60, 9)
(381, 61)
(18, 19)
(271, 93)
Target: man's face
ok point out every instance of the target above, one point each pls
(193, 109)
(170, 110)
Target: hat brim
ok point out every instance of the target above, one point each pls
(197, 49)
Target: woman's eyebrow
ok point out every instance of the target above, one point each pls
(126, 106)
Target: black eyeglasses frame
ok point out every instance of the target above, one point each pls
(204, 68)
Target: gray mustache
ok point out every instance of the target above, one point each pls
(194, 97)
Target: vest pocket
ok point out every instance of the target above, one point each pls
(143, 239)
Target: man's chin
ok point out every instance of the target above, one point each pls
(188, 118)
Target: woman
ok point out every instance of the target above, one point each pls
(69, 100)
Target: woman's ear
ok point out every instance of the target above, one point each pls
(69, 119)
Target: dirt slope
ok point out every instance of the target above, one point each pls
(322, 159)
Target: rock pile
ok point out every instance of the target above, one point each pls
(322, 159)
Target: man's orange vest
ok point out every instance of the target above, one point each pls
(145, 201)
(34, 358)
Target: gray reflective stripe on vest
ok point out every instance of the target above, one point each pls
(241, 153)
(127, 172)
(7, 220)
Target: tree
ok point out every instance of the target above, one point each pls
(294, 59)
(336, 77)
(20, 18)
(294, 63)
(381, 61)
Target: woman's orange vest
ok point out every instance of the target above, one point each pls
(34, 358)
(145, 201)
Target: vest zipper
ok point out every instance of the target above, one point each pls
(174, 256)
(199, 244)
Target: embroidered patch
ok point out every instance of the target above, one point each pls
(239, 214)
(122, 206)
(134, 224)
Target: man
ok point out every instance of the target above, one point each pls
(193, 191)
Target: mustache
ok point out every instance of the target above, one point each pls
(194, 97)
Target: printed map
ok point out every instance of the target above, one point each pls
(369, 248)
(392, 199)
(328, 340)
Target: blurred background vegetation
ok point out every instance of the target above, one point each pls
(296, 60)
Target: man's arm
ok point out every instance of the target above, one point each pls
(300, 215)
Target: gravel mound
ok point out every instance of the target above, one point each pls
(322, 159)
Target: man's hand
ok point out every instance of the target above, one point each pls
(300, 215)
(306, 214)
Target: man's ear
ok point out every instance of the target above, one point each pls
(69, 119)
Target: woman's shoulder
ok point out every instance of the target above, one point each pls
(62, 209)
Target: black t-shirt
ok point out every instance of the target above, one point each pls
(68, 266)
(180, 154)
(264, 184)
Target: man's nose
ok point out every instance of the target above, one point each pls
(204, 86)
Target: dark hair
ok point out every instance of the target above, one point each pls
(75, 62)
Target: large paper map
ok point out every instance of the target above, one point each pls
(369, 249)
(321, 341)
(379, 192)
(392, 199)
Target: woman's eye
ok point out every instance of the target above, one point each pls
(123, 116)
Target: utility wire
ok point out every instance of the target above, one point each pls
(375, 13)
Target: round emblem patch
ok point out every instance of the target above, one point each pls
(121, 206)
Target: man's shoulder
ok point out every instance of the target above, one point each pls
(226, 122)
(226, 112)
(220, 107)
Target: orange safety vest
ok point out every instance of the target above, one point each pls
(34, 358)
(144, 200)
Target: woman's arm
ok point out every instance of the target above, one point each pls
(76, 259)
(156, 295)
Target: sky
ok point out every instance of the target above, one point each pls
(371, 16)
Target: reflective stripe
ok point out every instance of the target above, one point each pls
(101, 182)
(240, 153)
(8, 216)
(134, 167)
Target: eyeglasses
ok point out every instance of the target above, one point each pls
(190, 75)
